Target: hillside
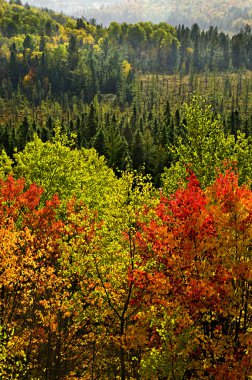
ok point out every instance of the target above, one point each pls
(125, 198)
(228, 15)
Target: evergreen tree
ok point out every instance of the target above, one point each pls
(137, 151)
(92, 123)
(99, 142)
(24, 134)
(13, 66)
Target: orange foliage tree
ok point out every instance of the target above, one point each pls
(44, 307)
(197, 252)
(160, 291)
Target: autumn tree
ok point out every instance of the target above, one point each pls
(198, 268)
(45, 302)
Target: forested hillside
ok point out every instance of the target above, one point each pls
(125, 199)
(228, 15)
(119, 89)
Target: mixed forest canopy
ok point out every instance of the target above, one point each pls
(118, 89)
(125, 199)
(228, 15)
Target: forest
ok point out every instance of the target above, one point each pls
(229, 15)
(125, 199)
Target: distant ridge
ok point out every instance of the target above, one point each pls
(227, 15)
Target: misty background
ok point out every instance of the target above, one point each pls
(227, 15)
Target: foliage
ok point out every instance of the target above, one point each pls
(66, 171)
(5, 165)
(102, 275)
(198, 268)
(158, 288)
(204, 147)
(96, 81)
(228, 16)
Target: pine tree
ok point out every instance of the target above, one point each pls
(137, 151)
(99, 142)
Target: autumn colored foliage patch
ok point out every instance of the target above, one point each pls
(160, 292)
(199, 246)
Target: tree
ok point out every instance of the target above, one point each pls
(148, 150)
(92, 124)
(44, 306)
(238, 59)
(99, 142)
(196, 55)
(60, 169)
(196, 253)
(115, 260)
(205, 147)
(72, 53)
(9, 27)
(136, 35)
(13, 66)
(5, 165)
(24, 134)
(114, 32)
(17, 2)
(137, 150)
(27, 44)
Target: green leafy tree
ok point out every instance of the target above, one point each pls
(60, 169)
(114, 261)
(136, 35)
(206, 147)
(5, 165)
